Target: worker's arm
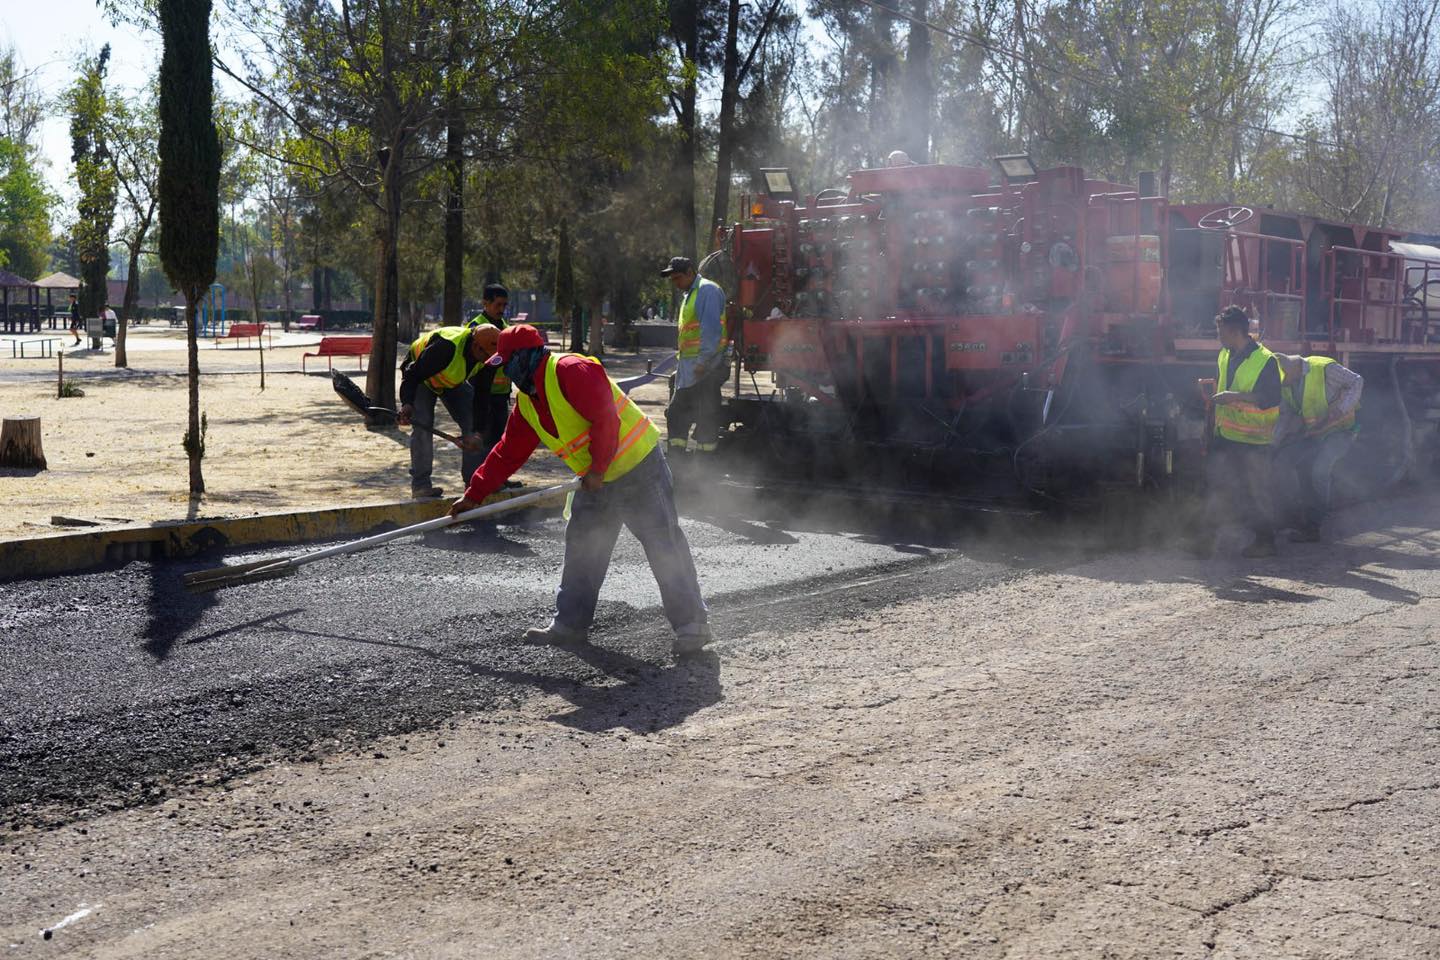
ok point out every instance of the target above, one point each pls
(509, 455)
(1347, 384)
(587, 387)
(1265, 395)
(435, 357)
(709, 306)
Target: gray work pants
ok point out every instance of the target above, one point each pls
(1312, 461)
(460, 401)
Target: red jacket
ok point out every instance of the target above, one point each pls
(587, 387)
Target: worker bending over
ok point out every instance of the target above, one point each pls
(568, 402)
(1317, 427)
(1247, 408)
(703, 364)
(449, 363)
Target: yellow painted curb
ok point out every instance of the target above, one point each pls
(69, 552)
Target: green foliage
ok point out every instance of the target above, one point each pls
(94, 176)
(69, 388)
(189, 149)
(25, 206)
(193, 443)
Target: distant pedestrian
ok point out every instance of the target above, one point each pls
(77, 324)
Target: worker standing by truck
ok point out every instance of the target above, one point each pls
(446, 364)
(1317, 428)
(702, 368)
(1240, 462)
(568, 402)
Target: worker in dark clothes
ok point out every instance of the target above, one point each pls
(1317, 428)
(493, 406)
(446, 364)
(77, 326)
(1247, 408)
(568, 402)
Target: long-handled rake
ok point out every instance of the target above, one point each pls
(204, 581)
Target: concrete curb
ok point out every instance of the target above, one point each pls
(73, 552)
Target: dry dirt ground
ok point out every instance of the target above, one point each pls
(116, 452)
(1140, 756)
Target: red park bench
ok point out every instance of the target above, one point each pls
(311, 321)
(246, 331)
(332, 347)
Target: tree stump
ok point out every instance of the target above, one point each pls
(20, 443)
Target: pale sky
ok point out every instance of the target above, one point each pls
(49, 37)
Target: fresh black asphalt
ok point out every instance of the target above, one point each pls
(118, 684)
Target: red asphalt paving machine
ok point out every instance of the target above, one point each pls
(948, 326)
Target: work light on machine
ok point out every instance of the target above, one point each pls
(777, 182)
(1016, 167)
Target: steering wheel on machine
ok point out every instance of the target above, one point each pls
(1225, 218)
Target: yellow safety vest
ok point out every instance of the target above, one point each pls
(501, 384)
(690, 324)
(638, 435)
(1245, 422)
(1314, 406)
(460, 368)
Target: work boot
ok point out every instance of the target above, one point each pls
(423, 493)
(691, 639)
(1310, 533)
(555, 635)
(1259, 547)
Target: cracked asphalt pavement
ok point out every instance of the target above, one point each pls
(982, 745)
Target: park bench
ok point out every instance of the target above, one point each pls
(246, 331)
(332, 347)
(311, 321)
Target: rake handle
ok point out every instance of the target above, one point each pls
(439, 523)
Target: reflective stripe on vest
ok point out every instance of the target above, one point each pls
(501, 384)
(1245, 422)
(637, 438)
(1314, 406)
(459, 369)
(690, 323)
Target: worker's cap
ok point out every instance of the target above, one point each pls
(679, 265)
(518, 337)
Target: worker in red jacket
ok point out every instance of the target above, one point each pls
(571, 404)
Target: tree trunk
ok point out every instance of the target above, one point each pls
(454, 218)
(919, 89)
(729, 94)
(127, 309)
(20, 443)
(595, 334)
(380, 382)
(194, 436)
(577, 329)
(687, 27)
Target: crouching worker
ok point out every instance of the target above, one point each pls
(568, 402)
